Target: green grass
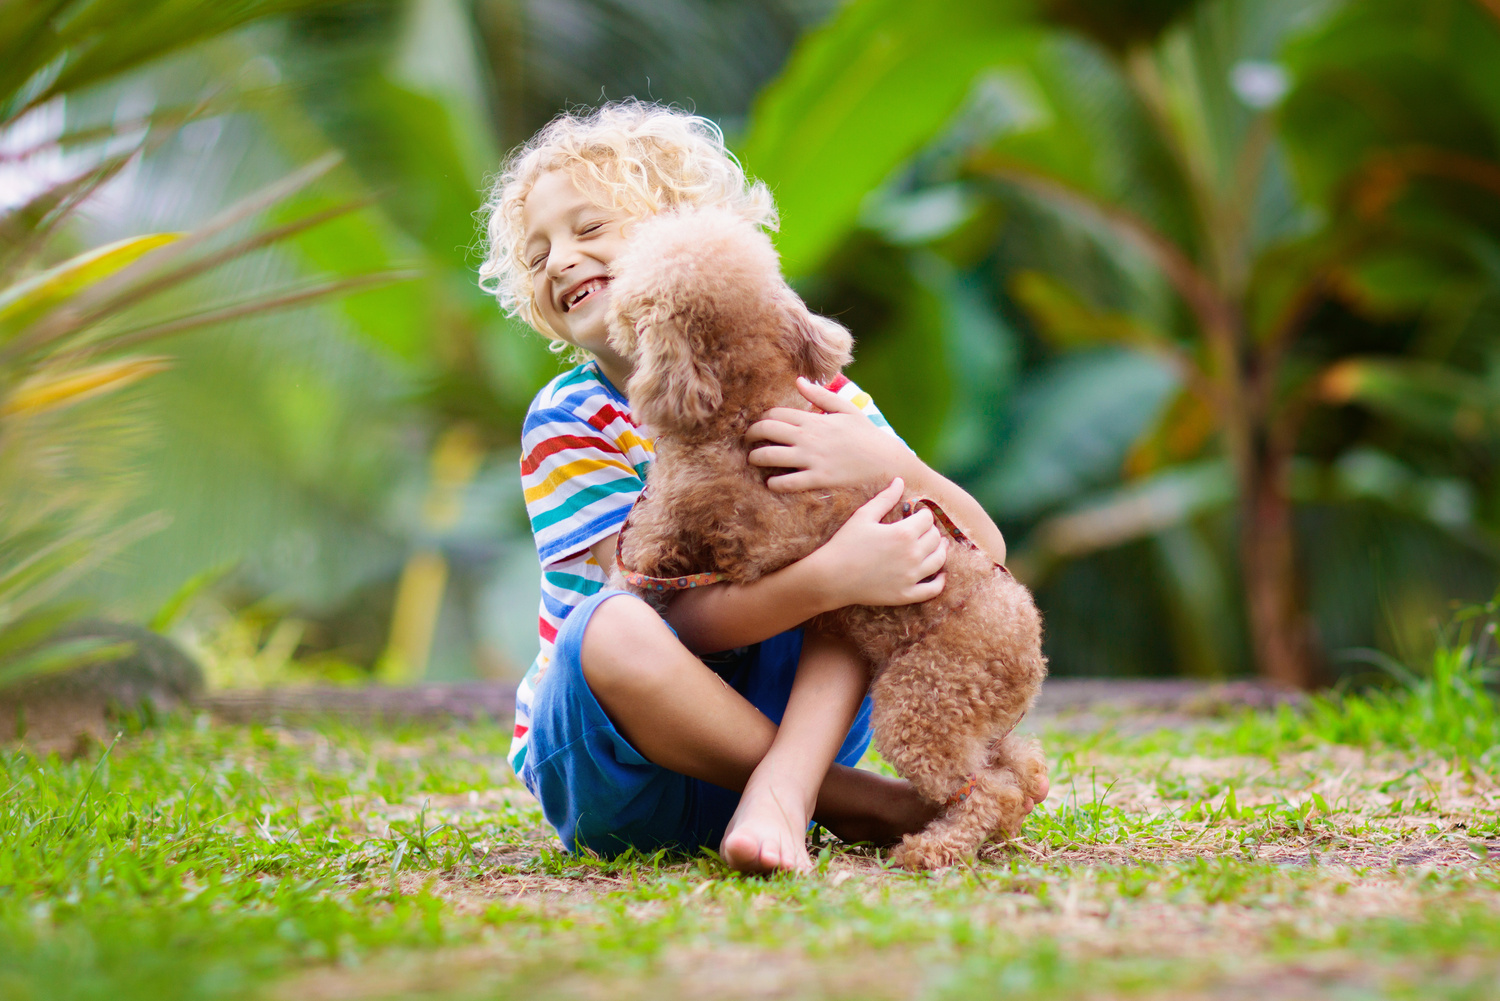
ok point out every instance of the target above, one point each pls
(1350, 849)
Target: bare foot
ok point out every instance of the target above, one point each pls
(767, 833)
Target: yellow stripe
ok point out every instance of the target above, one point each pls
(629, 439)
(860, 400)
(564, 473)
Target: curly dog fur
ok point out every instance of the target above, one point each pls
(718, 338)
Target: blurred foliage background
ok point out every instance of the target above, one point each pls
(1201, 299)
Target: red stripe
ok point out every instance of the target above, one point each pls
(838, 383)
(547, 629)
(607, 415)
(552, 446)
(521, 730)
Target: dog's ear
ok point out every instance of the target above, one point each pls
(673, 386)
(622, 334)
(820, 348)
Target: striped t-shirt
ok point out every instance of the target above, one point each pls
(583, 463)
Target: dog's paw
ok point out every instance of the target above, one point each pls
(1024, 759)
(917, 853)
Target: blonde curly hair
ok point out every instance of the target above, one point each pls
(638, 158)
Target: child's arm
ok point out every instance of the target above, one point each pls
(841, 447)
(867, 562)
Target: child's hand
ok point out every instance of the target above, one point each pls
(870, 562)
(840, 448)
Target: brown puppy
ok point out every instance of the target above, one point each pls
(718, 338)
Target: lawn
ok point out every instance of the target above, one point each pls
(1350, 849)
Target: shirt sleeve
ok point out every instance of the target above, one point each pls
(579, 484)
(845, 387)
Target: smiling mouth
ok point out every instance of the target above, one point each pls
(583, 292)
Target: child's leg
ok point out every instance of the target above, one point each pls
(769, 829)
(681, 716)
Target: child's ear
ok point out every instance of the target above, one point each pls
(673, 385)
(820, 347)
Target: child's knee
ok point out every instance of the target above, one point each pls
(626, 646)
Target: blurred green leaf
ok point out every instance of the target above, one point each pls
(1143, 508)
(859, 96)
(1065, 319)
(56, 657)
(81, 43)
(51, 390)
(1074, 426)
(184, 596)
(24, 302)
(1432, 397)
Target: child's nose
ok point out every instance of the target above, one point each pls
(560, 262)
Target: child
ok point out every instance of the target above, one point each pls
(623, 733)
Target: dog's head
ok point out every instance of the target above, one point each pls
(695, 296)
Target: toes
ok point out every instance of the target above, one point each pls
(743, 852)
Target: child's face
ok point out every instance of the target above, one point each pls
(570, 242)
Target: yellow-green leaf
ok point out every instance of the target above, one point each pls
(25, 302)
(51, 390)
(1427, 395)
(1065, 319)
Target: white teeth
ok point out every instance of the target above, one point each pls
(573, 298)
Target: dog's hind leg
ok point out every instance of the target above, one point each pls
(929, 726)
(1023, 756)
(994, 802)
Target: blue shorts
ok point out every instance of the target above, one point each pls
(600, 793)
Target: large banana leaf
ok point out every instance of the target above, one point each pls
(1074, 424)
(861, 95)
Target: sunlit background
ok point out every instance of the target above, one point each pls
(1201, 300)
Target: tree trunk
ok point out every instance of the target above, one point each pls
(1280, 633)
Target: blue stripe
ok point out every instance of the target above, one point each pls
(555, 415)
(559, 608)
(578, 503)
(575, 540)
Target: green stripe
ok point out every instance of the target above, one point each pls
(573, 582)
(582, 499)
(572, 378)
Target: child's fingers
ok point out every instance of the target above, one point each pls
(775, 455)
(883, 503)
(918, 524)
(779, 432)
(790, 483)
(934, 560)
(825, 399)
(924, 590)
(789, 415)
